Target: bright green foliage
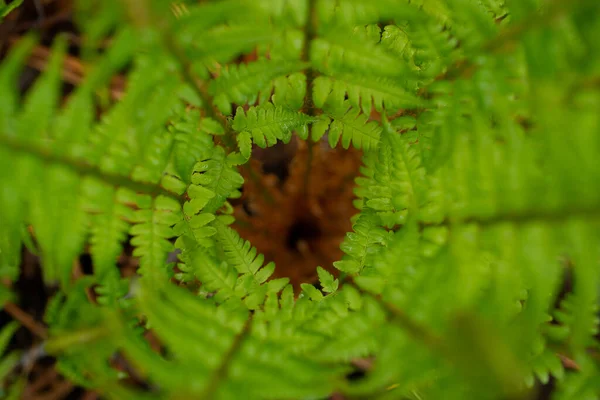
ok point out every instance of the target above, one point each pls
(7, 8)
(472, 268)
(266, 124)
(241, 84)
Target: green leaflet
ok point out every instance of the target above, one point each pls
(266, 124)
(154, 220)
(360, 246)
(218, 175)
(349, 125)
(377, 93)
(7, 8)
(192, 142)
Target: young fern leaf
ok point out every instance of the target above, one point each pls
(288, 91)
(266, 124)
(400, 179)
(218, 279)
(154, 221)
(349, 125)
(361, 245)
(328, 282)
(364, 93)
(490, 204)
(218, 175)
(240, 254)
(192, 142)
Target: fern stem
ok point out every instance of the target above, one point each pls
(587, 212)
(413, 328)
(309, 160)
(82, 168)
(26, 320)
(220, 374)
(308, 106)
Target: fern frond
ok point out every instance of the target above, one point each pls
(288, 91)
(241, 84)
(266, 124)
(11, 198)
(218, 279)
(151, 233)
(433, 46)
(223, 43)
(192, 143)
(578, 313)
(252, 281)
(360, 246)
(364, 93)
(218, 175)
(361, 12)
(339, 54)
(9, 72)
(351, 126)
(5, 9)
(241, 254)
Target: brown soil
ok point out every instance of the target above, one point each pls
(294, 219)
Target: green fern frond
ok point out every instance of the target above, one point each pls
(218, 175)
(151, 233)
(288, 91)
(242, 83)
(378, 93)
(5, 9)
(266, 124)
(220, 280)
(360, 246)
(241, 254)
(433, 46)
(349, 125)
(192, 142)
(223, 43)
(340, 54)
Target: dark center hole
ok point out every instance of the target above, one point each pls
(86, 264)
(302, 230)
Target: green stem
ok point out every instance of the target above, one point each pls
(587, 212)
(220, 374)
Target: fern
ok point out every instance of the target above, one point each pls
(350, 126)
(7, 8)
(240, 84)
(266, 124)
(472, 267)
